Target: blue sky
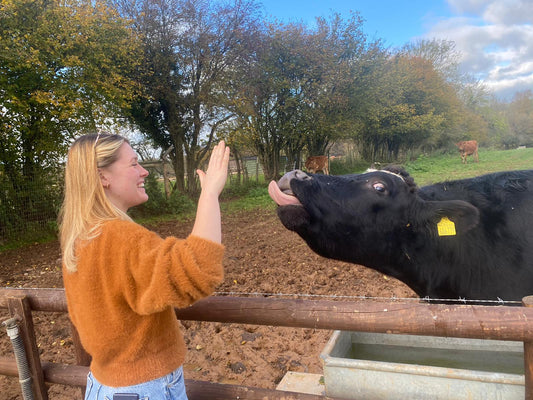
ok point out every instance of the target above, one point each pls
(494, 37)
(394, 21)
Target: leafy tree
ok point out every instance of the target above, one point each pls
(520, 117)
(440, 53)
(191, 49)
(498, 131)
(298, 89)
(412, 104)
(466, 119)
(63, 69)
(337, 82)
(267, 101)
(157, 108)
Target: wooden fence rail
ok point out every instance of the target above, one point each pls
(396, 317)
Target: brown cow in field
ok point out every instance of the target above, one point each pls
(468, 148)
(314, 164)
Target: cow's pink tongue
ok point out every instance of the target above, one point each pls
(279, 197)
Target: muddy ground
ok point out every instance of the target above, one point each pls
(261, 257)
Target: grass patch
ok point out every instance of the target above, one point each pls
(233, 199)
(255, 198)
(30, 233)
(427, 170)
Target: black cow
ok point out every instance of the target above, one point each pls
(464, 239)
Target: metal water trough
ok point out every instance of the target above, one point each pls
(380, 366)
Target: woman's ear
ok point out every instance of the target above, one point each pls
(103, 179)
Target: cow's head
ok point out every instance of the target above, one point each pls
(351, 217)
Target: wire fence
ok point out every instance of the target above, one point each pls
(29, 208)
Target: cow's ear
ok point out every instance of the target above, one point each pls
(408, 179)
(463, 215)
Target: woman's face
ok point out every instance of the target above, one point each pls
(123, 180)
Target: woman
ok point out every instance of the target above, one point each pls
(122, 281)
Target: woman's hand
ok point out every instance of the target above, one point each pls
(207, 224)
(213, 180)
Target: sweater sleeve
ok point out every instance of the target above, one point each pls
(156, 273)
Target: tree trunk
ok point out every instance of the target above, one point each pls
(178, 162)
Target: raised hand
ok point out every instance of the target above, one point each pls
(214, 179)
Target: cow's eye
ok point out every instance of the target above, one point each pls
(379, 187)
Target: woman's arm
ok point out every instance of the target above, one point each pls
(207, 224)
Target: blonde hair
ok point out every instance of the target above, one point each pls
(85, 205)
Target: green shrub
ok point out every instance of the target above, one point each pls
(247, 188)
(158, 204)
(345, 166)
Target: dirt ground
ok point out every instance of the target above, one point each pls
(261, 257)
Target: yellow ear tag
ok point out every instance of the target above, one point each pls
(446, 227)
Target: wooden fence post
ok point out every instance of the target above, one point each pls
(82, 357)
(19, 308)
(528, 357)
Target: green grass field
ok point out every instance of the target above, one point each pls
(425, 170)
(428, 170)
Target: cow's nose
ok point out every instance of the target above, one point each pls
(284, 182)
(298, 174)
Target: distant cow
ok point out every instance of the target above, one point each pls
(470, 238)
(314, 164)
(468, 148)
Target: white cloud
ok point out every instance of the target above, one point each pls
(468, 6)
(509, 12)
(495, 38)
(495, 11)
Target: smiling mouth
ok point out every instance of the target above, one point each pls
(282, 198)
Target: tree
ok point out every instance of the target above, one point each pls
(267, 100)
(337, 79)
(466, 120)
(297, 91)
(158, 108)
(412, 105)
(440, 53)
(191, 48)
(520, 117)
(63, 69)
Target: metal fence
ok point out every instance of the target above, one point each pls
(28, 209)
(28, 212)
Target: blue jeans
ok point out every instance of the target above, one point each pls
(169, 387)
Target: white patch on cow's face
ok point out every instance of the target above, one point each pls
(384, 170)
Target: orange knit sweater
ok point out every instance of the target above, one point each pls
(121, 299)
